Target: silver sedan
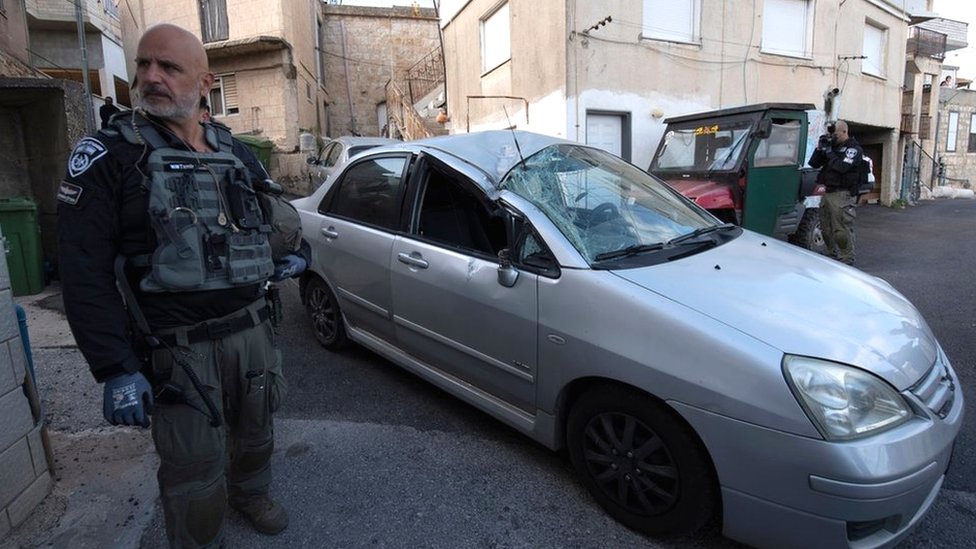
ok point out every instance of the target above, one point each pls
(694, 371)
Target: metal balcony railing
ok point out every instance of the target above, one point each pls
(926, 43)
(425, 75)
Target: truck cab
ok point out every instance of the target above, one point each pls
(747, 165)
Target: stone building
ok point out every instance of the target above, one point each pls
(365, 48)
(56, 51)
(29, 99)
(955, 142)
(265, 55)
(611, 72)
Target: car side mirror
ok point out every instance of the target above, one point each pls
(763, 129)
(507, 274)
(311, 160)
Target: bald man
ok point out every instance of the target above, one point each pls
(838, 155)
(166, 243)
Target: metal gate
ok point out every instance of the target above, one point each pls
(918, 164)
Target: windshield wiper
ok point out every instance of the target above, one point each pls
(701, 232)
(629, 251)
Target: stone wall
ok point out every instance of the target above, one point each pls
(960, 165)
(374, 44)
(25, 476)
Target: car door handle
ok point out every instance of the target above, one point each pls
(413, 258)
(330, 232)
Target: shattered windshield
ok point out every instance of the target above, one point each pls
(703, 147)
(602, 204)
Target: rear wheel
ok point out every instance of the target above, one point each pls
(808, 234)
(641, 462)
(323, 311)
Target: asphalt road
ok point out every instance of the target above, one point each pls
(369, 455)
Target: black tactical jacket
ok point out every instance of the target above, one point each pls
(102, 212)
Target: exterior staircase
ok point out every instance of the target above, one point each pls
(414, 99)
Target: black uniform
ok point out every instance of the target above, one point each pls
(839, 166)
(839, 173)
(102, 212)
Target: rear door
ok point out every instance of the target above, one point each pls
(449, 308)
(359, 217)
(773, 177)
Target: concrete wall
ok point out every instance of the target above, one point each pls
(364, 49)
(14, 38)
(614, 69)
(25, 478)
(26, 104)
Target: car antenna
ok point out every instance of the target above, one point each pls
(514, 137)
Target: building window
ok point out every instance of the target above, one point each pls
(786, 26)
(213, 20)
(874, 47)
(952, 132)
(496, 38)
(672, 20)
(223, 95)
(972, 134)
(111, 7)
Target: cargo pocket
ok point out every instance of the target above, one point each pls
(248, 258)
(277, 385)
(178, 264)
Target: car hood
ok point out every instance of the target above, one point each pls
(800, 303)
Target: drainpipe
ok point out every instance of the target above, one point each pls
(345, 66)
(80, 17)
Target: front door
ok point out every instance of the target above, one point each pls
(773, 176)
(449, 309)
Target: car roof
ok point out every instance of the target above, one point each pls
(353, 140)
(492, 152)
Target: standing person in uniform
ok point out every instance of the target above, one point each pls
(838, 156)
(107, 110)
(175, 211)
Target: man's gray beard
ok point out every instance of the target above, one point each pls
(178, 110)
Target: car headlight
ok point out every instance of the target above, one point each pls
(844, 402)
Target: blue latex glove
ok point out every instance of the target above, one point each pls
(289, 266)
(128, 400)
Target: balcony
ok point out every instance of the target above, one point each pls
(907, 122)
(926, 43)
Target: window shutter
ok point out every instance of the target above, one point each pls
(229, 82)
(785, 27)
(670, 20)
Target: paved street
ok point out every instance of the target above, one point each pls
(368, 455)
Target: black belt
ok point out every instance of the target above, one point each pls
(207, 331)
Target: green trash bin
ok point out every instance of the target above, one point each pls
(18, 221)
(260, 146)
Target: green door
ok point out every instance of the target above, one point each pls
(773, 175)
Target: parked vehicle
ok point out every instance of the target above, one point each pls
(337, 152)
(695, 371)
(747, 165)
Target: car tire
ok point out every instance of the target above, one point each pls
(325, 315)
(809, 234)
(641, 462)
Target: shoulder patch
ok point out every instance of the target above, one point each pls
(86, 152)
(851, 152)
(69, 193)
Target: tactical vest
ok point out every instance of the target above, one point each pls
(211, 233)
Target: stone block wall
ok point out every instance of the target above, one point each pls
(25, 478)
(365, 47)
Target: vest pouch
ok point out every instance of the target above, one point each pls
(178, 262)
(242, 201)
(248, 258)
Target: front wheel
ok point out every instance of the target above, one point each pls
(808, 234)
(641, 462)
(323, 311)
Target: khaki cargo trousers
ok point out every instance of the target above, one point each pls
(837, 215)
(201, 466)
